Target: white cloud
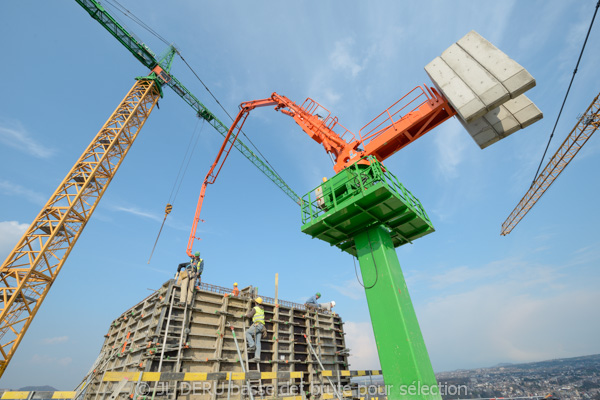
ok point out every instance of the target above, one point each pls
(509, 311)
(42, 359)
(55, 340)
(16, 136)
(140, 213)
(342, 59)
(64, 361)
(10, 188)
(350, 288)
(451, 145)
(10, 233)
(361, 342)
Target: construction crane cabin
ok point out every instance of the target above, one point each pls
(326, 198)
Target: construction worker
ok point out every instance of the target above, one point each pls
(256, 331)
(327, 306)
(312, 302)
(187, 274)
(235, 292)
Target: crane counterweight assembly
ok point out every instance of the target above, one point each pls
(479, 81)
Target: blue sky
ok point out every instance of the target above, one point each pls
(480, 298)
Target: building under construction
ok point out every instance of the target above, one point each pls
(164, 349)
(199, 351)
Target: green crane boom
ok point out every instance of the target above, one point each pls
(148, 58)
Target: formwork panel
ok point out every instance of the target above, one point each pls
(159, 335)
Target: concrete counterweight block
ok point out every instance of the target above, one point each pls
(504, 120)
(468, 105)
(485, 87)
(511, 75)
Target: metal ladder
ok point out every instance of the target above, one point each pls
(244, 368)
(172, 393)
(314, 353)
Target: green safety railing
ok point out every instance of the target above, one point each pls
(356, 179)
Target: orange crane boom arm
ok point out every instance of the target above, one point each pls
(415, 114)
(226, 147)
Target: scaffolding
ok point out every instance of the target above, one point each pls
(160, 348)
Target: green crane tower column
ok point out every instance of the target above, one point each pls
(365, 211)
(407, 370)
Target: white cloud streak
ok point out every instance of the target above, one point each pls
(343, 60)
(361, 342)
(451, 146)
(9, 188)
(42, 359)
(350, 288)
(509, 311)
(10, 233)
(16, 136)
(139, 213)
(55, 340)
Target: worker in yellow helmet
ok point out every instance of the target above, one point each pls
(257, 330)
(235, 291)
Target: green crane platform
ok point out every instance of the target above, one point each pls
(365, 211)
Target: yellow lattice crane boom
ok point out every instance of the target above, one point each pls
(33, 265)
(583, 130)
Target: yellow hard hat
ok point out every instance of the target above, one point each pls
(235, 284)
(259, 300)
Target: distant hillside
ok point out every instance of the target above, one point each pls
(45, 388)
(567, 378)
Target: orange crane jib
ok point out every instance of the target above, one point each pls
(409, 118)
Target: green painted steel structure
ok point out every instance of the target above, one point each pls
(147, 57)
(366, 212)
(359, 197)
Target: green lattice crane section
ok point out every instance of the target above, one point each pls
(148, 58)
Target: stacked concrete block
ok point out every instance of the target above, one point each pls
(485, 87)
(504, 120)
(200, 340)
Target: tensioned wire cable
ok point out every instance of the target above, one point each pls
(120, 8)
(180, 177)
(567, 94)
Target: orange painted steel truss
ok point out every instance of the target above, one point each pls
(583, 130)
(32, 266)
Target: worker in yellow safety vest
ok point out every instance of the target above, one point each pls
(257, 330)
(187, 274)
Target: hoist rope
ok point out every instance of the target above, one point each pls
(120, 8)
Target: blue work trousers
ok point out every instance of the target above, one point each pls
(253, 336)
